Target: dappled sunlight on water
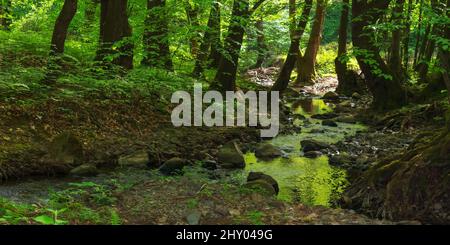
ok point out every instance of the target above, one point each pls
(309, 181)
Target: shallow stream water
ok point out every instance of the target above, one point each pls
(310, 181)
(301, 179)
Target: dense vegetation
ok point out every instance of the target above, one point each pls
(105, 70)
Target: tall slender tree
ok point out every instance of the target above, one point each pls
(226, 73)
(115, 32)
(347, 79)
(59, 36)
(297, 31)
(306, 63)
(211, 39)
(156, 36)
(61, 28)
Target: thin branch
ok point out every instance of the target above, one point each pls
(256, 6)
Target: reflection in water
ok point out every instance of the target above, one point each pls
(310, 181)
(310, 106)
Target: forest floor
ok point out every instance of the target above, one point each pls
(112, 125)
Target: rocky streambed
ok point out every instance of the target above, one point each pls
(302, 172)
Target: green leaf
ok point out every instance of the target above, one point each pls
(44, 219)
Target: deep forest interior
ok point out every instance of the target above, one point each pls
(85, 112)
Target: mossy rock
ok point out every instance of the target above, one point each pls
(230, 156)
(261, 186)
(65, 151)
(252, 176)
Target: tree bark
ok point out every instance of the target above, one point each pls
(156, 36)
(226, 74)
(306, 64)
(61, 28)
(347, 79)
(208, 42)
(294, 49)
(114, 30)
(59, 36)
(386, 90)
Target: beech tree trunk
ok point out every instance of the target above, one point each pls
(348, 83)
(294, 49)
(114, 31)
(62, 23)
(208, 42)
(226, 73)
(306, 64)
(156, 36)
(387, 91)
(59, 36)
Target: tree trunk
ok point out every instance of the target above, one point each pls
(114, 31)
(340, 63)
(226, 74)
(387, 91)
(307, 63)
(209, 39)
(62, 23)
(60, 30)
(395, 61)
(5, 14)
(192, 16)
(261, 44)
(294, 49)
(156, 36)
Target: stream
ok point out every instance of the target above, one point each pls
(301, 179)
